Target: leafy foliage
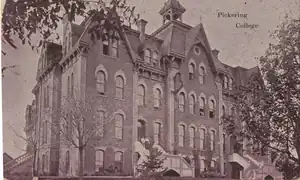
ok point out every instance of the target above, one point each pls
(270, 108)
(24, 18)
(153, 165)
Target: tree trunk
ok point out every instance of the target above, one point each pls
(80, 173)
(33, 163)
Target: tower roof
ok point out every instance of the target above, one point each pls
(172, 4)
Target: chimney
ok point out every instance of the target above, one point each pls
(216, 53)
(142, 27)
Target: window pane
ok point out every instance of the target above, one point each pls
(118, 156)
(156, 133)
(115, 48)
(147, 56)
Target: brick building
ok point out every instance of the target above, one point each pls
(169, 86)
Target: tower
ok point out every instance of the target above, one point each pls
(172, 11)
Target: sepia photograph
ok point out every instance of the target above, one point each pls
(150, 89)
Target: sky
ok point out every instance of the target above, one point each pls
(237, 46)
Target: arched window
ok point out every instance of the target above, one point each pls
(115, 47)
(223, 111)
(192, 103)
(212, 140)
(191, 71)
(141, 95)
(155, 59)
(119, 161)
(192, 137)
(147, 57)
(141, 129)
(119, 87)
(99, 160)
(157, 132)
(101, 81)
(181, 102)
(202, 106)
(202, 138)
(119, 118)
(105, 47)
(100, 123)
(181, 132)
(157, 98)
(230, 84)
(201, 75)
(225, 84)
(212, 107)
(67, 161)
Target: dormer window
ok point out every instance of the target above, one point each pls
(147, 56)
(155, 59)
(230, 83)
(201, 75)
(115, 47)
(212, 108)
(225, 82)
(191, 71)
(105, 49)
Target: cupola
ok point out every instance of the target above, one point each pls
(172, 11)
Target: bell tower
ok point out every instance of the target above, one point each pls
(172, 11)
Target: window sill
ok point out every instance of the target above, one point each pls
(111, 57)
(119, 99)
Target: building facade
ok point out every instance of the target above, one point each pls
(169, 86)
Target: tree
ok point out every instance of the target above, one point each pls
(23, 19)
(153, 165)
(32, 147)
(270, 108)
(81, 123)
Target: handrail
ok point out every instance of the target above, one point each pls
(19, 160)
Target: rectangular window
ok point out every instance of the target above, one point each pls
(202, 165)
(212, 140)
(100, 123)
(192, 137)
(119, 161)
(157, 133)
(119, 126)
(114, 50)
(202, 139)
(181, 136)
(105, 47)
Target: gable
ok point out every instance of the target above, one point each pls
(197, 36)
